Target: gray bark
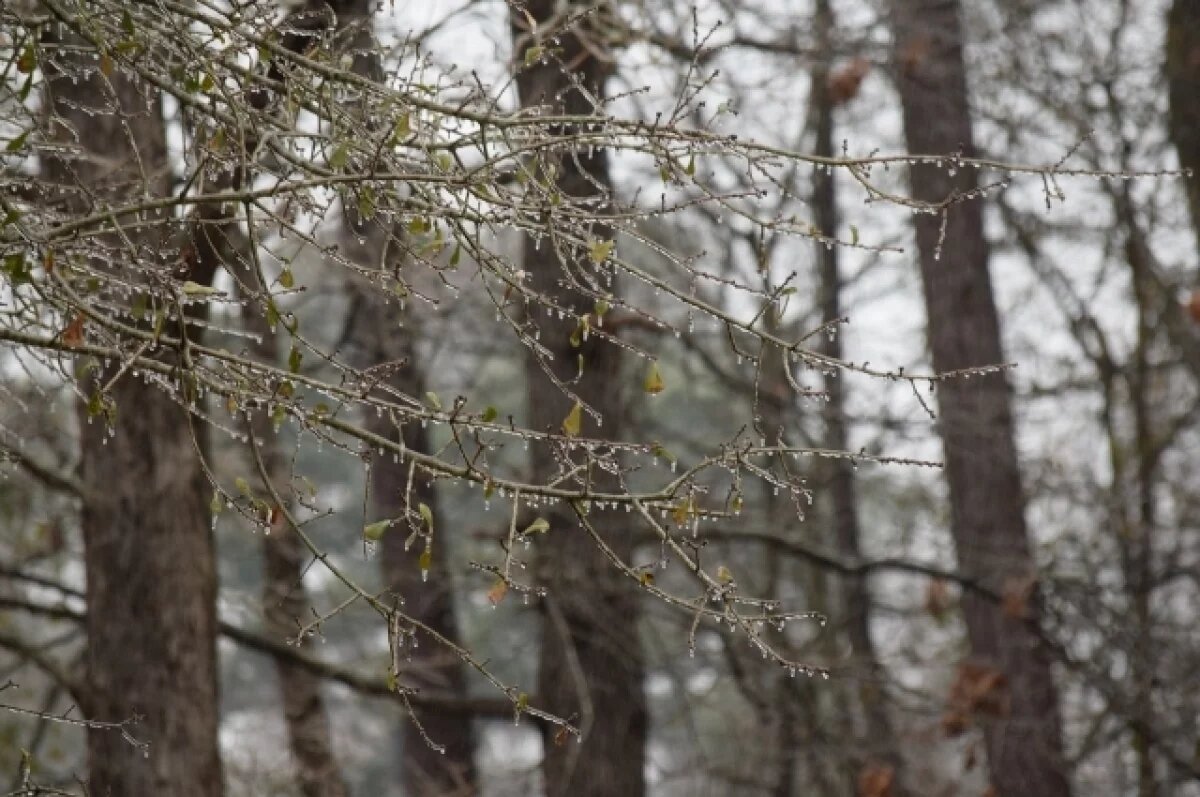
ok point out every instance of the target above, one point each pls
(148, 548)
(590, 663)
(1024, 744)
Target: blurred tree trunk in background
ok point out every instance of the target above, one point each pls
(1022, 730)
(425, 772)
(590, 664)
(382, 333)
(148, 547)
(874, 733)
(285, 608)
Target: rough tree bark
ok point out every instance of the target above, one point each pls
(590, 665)
(148, 547)
(986, 504)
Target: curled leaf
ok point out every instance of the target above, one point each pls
(539, 526)
(662, 453)
(426, 515)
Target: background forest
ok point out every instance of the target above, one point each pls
(506, 397)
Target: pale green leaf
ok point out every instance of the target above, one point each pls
(538, 526)
(374, 531)
(426, 515)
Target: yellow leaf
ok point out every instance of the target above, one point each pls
(654, 383)
(425, 562)
(573, 423)
(600, 250)
(683, 511)
(724, 575)
(27, 60)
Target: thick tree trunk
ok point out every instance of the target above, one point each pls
(987, 516)
(590, 665)
(148, 548)
(881, 749)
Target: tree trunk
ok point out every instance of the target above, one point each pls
(881, 749)
(590, 665)
(285, 607)
(382, 333)
(424, 771)
(986, 504)
(284, 603)
(148, 547)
